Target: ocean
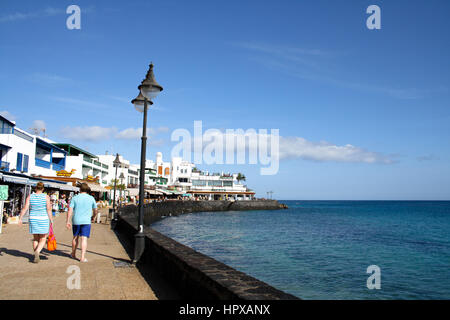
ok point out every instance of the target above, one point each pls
(322, 249)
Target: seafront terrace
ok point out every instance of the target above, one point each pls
(99, 277)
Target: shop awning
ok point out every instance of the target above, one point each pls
(156, 192)
(164, 192)
(18, 180)
(96, 187)
(133, 192)
(53, 185)
(69, 187)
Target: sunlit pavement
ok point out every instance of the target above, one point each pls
(99, 278)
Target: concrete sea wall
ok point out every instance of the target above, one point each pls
(195, 275)
(156, 210)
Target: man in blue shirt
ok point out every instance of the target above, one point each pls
(82, 206)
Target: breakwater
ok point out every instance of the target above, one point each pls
(195, 275)
(157, 210)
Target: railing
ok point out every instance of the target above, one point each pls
(57, 167)
(97, 163)
(42, 163)
(133, 172)
(23, 136)
(105, 166)
(87, 159)
(6, 130)
(4, 166)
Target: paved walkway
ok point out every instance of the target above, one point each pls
(100, 279)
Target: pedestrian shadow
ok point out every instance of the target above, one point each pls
(57, 252)
(20, 254)
(88, 251)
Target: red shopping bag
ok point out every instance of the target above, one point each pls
(51, 241)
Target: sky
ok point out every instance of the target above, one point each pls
(362, 114)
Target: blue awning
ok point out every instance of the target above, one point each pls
(49, 145)
(12, 179)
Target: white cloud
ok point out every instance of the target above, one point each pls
(96, 133)
(136, 133)
(314, 65)
(293, 148)
(47, 79)
(85, 103)
(93, 133)
(428, 157)
(39, 124)
(300, 148)
(130, 133)
(8, 115)
(47, 12)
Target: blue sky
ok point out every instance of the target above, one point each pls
(311, 69)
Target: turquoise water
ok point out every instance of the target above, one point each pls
(321, 249)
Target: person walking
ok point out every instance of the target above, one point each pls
(40, 218)
(83, 207)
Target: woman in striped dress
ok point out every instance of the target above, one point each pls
(40, 218)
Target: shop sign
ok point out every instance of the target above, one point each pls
(64, 173)
(92, 179)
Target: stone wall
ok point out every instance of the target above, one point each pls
(154, 211)
(195, 275)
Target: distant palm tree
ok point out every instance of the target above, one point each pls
(240, 177)
(119, 186)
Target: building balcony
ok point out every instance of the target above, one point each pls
(57, 167)
(6, 130)
(42, 163)
(4, 166)
(132, 172)
(87, 159)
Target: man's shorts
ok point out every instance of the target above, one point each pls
(83, 230)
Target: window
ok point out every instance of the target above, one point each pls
(215, 183)
(19, 162)
(25, 163)
(199, 183)
(5, 127)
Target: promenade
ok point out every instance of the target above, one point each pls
(100, 279)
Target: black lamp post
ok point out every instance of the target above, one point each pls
(116, 163)
(121, 177)
(148, 90)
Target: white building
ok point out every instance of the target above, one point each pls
(183, 176)
(29, 154)
(22, 152)
(129, 171)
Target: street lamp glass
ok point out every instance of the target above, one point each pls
(139, 105)
(150, 92)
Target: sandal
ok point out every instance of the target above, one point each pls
(36, 257)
